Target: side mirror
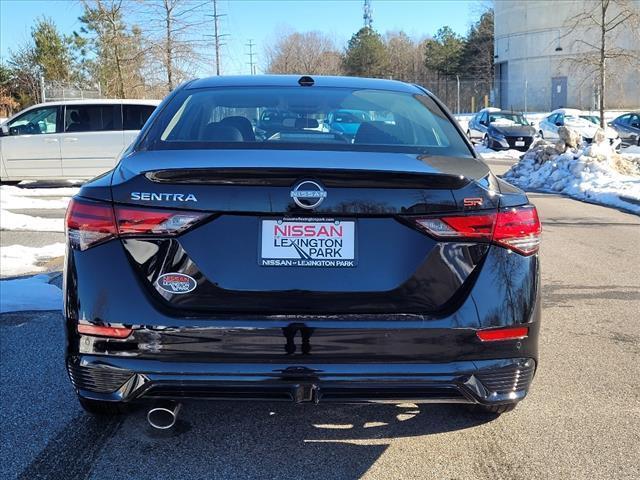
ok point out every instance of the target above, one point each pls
(482, 122)
(635, 125)
(558, 124)
(533, 124)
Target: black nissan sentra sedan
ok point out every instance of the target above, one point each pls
(219, 260)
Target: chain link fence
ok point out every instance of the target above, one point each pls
(57, 91)
(460, 95)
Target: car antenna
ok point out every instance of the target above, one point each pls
(306, 81)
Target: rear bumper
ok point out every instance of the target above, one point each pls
(125, 380)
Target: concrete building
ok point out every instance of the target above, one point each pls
(536, 51)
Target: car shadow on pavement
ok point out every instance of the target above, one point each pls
(242, 440)
(277, 440)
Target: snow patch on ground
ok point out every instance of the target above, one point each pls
(18, 221)
(487, 153)
(18, 259)
(33, 293)
(634, 151)
(39, 192)
(593, 174)
(15, 198)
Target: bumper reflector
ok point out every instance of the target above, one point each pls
(515, 333)
(98, 331)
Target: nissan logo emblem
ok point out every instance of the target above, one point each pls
(308, 194)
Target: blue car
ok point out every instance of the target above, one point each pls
(346, 122)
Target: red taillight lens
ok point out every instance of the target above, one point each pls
(98, 331)
(516, 228)
(137, 221)
(90, 223)
(519, 229)
(495, 335)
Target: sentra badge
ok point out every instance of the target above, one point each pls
(163, 197)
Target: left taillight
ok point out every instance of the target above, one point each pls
(516, 228)
(89, 223)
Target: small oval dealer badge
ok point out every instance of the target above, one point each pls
(176, 283)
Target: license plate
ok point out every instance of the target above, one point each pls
(307, 243)
(519, 143)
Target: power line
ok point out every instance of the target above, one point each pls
(251, 63)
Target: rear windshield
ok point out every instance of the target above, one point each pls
(304, 118)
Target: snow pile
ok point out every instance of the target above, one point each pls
(18, 259)
(18, 221)
(33, 293)
(595, 173)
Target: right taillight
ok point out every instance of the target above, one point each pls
(90, 223)
(517, 228)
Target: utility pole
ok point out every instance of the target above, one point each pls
(252, 64)
(216, 34)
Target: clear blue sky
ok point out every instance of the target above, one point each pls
(261, 20)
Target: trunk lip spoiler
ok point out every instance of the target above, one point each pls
(287, 177)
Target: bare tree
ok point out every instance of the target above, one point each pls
(25, 74)
(306, 52)
(596, 29)
(173, 30)
(406, 57)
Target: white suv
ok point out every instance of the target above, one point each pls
(69, 140)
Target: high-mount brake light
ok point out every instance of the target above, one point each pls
(498, 334)
(99, 331)
(90, 223)
(516, 228)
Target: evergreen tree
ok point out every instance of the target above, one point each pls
(443, 53)
(50, 52)
(119, 51)
(366, 55)
(477, 55)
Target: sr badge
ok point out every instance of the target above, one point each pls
(176, 283)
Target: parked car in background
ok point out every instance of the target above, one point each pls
(501, 129)
(304, 266)
(577, 120)
(76, 139)
(477, 124)
(628, 127)
(346, 122)
(595, 119)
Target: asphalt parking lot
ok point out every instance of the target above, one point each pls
(580, 420)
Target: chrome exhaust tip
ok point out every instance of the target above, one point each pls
(164, 416)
